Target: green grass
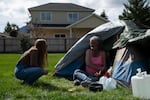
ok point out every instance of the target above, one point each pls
(49, 87)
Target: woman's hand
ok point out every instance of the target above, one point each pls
(97, 74)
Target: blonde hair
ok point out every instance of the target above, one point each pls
(41, 45)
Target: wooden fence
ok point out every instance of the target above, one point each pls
(13, 45)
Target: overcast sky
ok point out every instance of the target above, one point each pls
(16, 11)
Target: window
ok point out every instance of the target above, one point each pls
(60, 36)
(72, 16)
(45, 16)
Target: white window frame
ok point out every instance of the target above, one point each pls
(44, 19)
(59, 35)
(73, 19)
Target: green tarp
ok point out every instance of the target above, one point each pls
(133, 34)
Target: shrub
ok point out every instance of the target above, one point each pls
(25, 43)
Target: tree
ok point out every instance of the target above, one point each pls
(12, 29)
(103, 15)
(25, 43)
(8, 28)
(137, 11)
(36, 29)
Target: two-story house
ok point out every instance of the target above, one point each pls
(60, 20)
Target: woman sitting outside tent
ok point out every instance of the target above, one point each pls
(95, 60)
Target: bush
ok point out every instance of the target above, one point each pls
(13, 33)
(25, 43)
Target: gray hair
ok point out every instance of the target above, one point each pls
(95, 38)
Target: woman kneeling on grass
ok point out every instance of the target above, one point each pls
(31, 64)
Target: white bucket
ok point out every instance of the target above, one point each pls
(141, 86)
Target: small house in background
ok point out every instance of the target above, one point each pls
(4, 35)
(24, 31)
(62, 20)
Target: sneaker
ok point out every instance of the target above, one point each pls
(27, 83)
(77, 82)
(85, 83)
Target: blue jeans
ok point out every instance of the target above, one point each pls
(27, 73)
(84, 76)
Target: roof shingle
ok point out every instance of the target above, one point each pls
(61, 7)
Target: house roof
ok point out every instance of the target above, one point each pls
(23, 29)
(86, 18)
(4, 35)
(78, 23)
(61, 7)
(51, 25)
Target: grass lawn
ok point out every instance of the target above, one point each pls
(49, 87)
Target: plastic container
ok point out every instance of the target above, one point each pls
(141, 86)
